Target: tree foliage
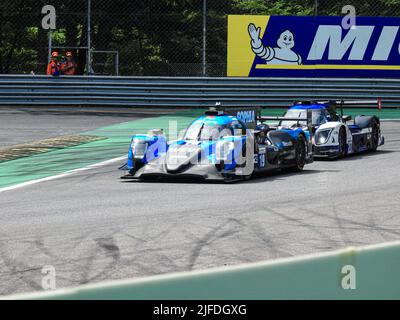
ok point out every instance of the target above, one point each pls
(153, 37)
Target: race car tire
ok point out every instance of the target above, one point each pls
(249, 157)
(375, 137)
(244, 160)
(247, 177)
(300, 154)
(136, 166)
(342, 143)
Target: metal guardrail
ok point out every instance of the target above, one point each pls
(190, 92)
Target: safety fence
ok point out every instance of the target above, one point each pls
(371, 272)
(191, 92)
(144, 38)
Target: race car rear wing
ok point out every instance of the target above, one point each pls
(334, 104)
(307, 119)
(251, 115)
(341, 102)
(248, 115)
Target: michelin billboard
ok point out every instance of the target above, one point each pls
(293, 46)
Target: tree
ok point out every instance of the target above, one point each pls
(153, 37)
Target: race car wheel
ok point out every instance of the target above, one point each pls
(300, 154)
(249, 157)
(342, 142)
(375, 137)
(246, 177)
(136, 166)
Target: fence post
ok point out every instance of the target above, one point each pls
(204, 37)
(89, 40)
(50, 46)
(117, 63)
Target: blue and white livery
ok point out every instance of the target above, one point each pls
(229, 145)
(334, 135)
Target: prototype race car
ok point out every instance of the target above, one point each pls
(228, 145)
(334, 136)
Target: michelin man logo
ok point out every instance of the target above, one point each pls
(282, 54)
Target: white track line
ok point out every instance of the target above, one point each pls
(92, 166)
(62, 175)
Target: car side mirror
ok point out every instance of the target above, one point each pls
(346, 118)
(313, 129)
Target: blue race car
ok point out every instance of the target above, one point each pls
(228, 145)
(334, 136)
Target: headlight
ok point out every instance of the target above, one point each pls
(138, 148)
(223, 149)
(323, 136)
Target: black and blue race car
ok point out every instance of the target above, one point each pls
(334, 134)
(225, 144)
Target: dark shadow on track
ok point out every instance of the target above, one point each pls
(356, 156)
(281, 174)
(256, 178)
(366, 154)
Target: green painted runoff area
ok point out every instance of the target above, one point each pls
(117, 142)
(116, 145)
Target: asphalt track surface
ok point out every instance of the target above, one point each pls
(21, 125)
(92, 226)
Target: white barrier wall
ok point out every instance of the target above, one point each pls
(371, 272)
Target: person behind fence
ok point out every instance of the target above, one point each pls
(53, 68)
(69, 66)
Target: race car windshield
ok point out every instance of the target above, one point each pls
(318, 118)
(202, 132)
